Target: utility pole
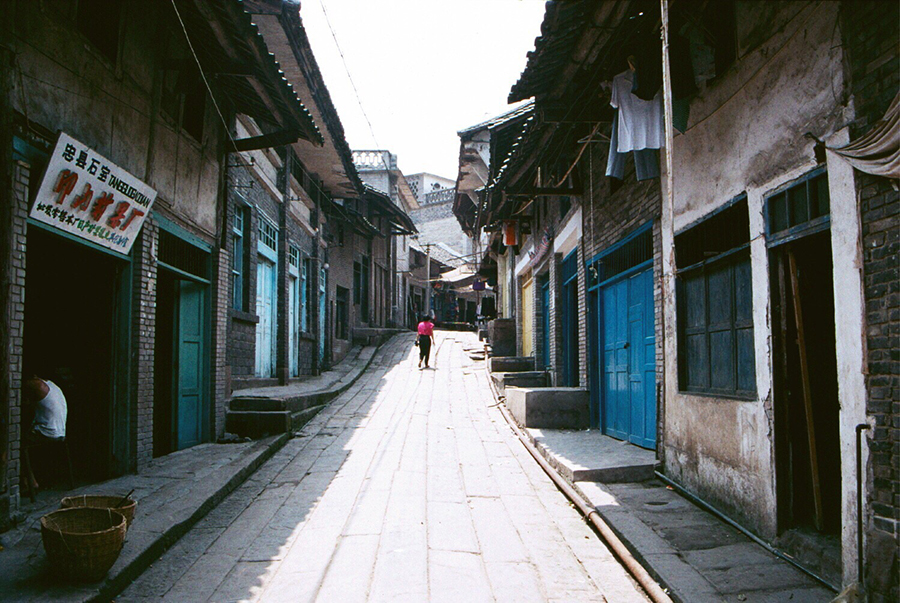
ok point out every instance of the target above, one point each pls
(428, 279)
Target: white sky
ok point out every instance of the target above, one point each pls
(424, 69)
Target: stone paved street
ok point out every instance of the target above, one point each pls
(408, 487)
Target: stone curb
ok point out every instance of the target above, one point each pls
(114, 585)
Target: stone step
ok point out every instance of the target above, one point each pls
(549, 407)
(257, 424)
(257, 404)
(520, 379)
(590, 456)
(512, 364)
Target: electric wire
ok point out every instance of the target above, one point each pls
(347, 70)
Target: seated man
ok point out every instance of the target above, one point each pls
(49, 425)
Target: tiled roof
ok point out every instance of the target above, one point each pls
(501, 119)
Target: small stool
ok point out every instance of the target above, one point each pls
(59, 444)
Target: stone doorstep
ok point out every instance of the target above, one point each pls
(158, 524)
(549, 407)
(590, 456)
(519, 379)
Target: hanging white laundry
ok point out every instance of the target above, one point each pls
(640, 122)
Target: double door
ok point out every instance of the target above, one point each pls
(627, 358)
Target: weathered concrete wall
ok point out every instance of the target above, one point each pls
(745, 135)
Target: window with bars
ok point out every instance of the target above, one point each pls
(633, 252)
(715, 309)
(268, 234)
(182, 255)
(239, 251)
(294, 257)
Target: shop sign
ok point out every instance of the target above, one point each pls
(85, 194)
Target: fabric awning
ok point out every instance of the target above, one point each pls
(878, 152)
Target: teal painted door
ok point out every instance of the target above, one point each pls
(545, 318)
(191, 364)
(294, 322)
(322, 306)
(266, 309)
(628, 357)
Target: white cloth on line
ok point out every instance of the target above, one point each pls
(640, 122)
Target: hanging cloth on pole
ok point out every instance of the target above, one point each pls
(878, 151)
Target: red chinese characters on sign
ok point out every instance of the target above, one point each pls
(66, 183)
(85, 194)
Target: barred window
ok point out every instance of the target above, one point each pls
(268, 234)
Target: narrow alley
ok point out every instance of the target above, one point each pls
(408, 487)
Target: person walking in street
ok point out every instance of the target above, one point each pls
(425, 339)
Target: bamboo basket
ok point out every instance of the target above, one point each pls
(100, 501)
(83, 542)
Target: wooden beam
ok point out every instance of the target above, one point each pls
(266, 141)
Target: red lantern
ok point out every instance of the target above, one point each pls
(509, 233)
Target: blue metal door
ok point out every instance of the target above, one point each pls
(191, 364)
(628, 359)
(545, 318)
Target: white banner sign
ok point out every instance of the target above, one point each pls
(87, 195)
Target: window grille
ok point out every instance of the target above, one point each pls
(633, 252)
(180, 254)
(294, 257)
(268, 234)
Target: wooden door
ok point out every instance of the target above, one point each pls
(191, 367)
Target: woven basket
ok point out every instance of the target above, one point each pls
(100, 501)
(83, 542)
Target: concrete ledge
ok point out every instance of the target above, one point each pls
(525, 379)
(549, 407)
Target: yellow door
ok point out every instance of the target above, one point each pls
(527, 318)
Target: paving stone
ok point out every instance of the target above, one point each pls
(455, 576)
(408, 487)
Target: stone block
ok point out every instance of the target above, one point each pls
(502, 336)
(253, 424)
(550, 407)
(512, 364)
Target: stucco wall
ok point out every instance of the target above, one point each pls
(745, 135)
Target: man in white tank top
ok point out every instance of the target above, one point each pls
(50, 412)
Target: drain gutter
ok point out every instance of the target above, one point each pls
(638, 572)
(711, 509)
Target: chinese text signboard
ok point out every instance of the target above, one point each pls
(85, 194)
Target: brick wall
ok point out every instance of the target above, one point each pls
(14, 321)
(143, 335)
(871, 40)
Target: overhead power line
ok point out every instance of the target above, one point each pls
(347, 70)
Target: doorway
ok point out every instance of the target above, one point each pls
(807, 410)
(71, 334)
(266, 309)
